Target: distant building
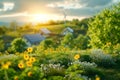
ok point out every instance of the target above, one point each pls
(67, 30)
(33, 39)
(45, 32)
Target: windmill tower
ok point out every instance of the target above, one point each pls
(65, 15)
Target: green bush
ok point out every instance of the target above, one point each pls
(74, 72)
(52, 70)
(102, 59)
(55, 78)
(117, 59)
(2, 45)
(85, 57)
(36, 74)
(63, 59)
(18, 45)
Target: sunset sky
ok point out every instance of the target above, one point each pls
(43, 10)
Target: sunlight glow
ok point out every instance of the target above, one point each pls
(44, 17)
(40, 18)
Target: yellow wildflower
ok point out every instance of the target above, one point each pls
(32, 59)
(29, 74)
(29, 64)
(30, 49)
(26, 56)
(21, 65)
(97, 78)
(77, 56)
(5, 66)
(16, 78)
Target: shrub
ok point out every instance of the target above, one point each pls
(2, 44)
(117, 59)
(62, 59)
(85, 57)
(102, 59)
(47, 43)
(52, 70)
(34, 73)
(78, 69)
(89, 69)
(19, 45)
(117, 48)
(55, 78)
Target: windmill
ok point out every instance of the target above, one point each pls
(65, 15)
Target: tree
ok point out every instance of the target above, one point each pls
(19, 45)
(105, 27)
(47, 43)
(81, 42)
(13, 26)
(68, 40)
(2, 45)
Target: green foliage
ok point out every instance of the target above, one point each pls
(116, 49)
(117, 59)
(81, 42)
(2, 45)
(19, 45)
(47, 43)
(85, 57)
(10, 73)
(2, 30)
(13, 26)
(74, 72)
(52, 70)
(36, 74)
(105, 27)
(59, 64)
(102, 59)
(55, 78)
(68, 40)
(63, 59)
(71, 42)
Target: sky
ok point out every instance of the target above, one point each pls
(43, 10)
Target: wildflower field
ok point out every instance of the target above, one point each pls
(56, 64)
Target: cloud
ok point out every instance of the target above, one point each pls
(67, 4)
(115, 1)
(1, 5)
(14, 15)
(6, 6)
(82, 7)
(72, 8)
(75, 4)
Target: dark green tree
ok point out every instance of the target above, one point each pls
(19, 45)
(105, 27)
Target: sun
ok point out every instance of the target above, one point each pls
(40, 18)
(43, 18)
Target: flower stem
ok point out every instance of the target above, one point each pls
(6, 75)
